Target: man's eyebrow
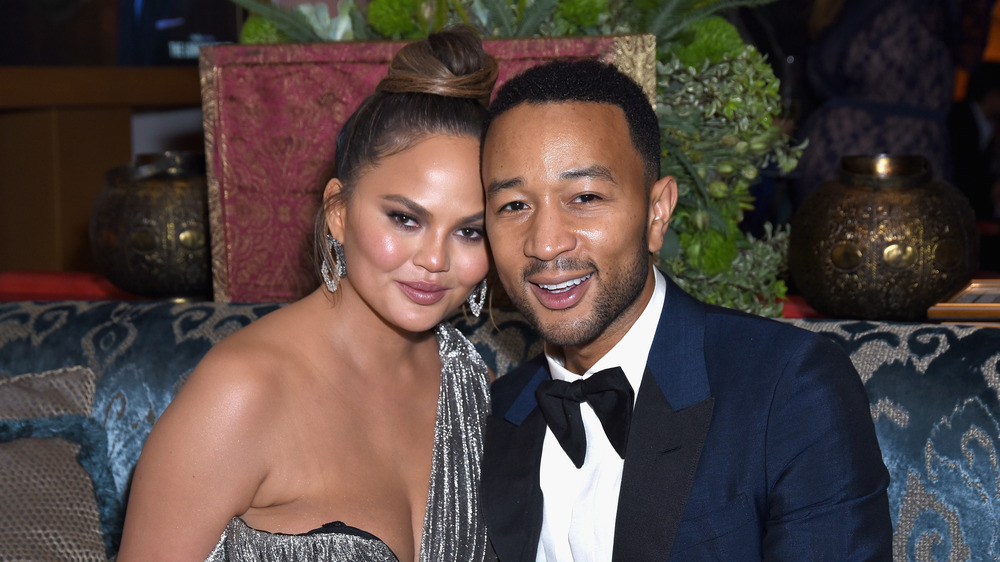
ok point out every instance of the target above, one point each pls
(595, 171)
(497, 186)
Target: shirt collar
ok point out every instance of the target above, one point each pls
(631, 352)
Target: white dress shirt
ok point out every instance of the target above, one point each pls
(580, 504)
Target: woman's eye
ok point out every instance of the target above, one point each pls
(471, 233)
(404, 220)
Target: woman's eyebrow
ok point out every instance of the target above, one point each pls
(415, 208)
(421, 212)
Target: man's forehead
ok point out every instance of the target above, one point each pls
(551, 108)
(586, 123)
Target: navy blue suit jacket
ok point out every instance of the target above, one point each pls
(750, 440)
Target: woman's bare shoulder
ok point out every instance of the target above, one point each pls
(261, 350)
(213, 446)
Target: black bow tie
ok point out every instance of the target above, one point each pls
(607, 391)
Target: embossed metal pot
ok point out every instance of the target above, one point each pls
(884, 242)
(149, 227)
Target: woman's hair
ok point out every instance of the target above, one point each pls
(438, 85)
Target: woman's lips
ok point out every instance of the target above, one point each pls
(423, 293)
(564, 294)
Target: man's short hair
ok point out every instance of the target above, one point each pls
(587, 80)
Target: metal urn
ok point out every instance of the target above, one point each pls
(149, 227)
(886, 241)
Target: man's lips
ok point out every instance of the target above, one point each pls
(562, 294)
(423, 293)
(563, 286)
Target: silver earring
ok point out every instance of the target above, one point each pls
(332, 278)
(478, 298)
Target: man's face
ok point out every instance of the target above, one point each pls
(569, 219)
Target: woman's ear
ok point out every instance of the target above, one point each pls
(335, 212)
(662, 200)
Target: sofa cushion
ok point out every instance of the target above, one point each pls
(141, 351)
(934, 398)
(56, 488)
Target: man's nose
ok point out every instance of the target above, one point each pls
(549, 235)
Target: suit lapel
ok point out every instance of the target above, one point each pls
(672, 416)
(512, 498)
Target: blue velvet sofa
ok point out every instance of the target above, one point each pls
(81, 384)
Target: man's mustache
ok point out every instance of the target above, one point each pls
(559, 264)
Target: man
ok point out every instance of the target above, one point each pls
(749, 439)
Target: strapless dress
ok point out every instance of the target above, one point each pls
(453, 522)
(333, 541)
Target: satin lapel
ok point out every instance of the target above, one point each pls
(663, 452)
(512, 498)
(672, 416)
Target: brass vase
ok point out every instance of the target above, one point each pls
(149, 227)
(884, 242)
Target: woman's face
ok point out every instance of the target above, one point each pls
(413, 232)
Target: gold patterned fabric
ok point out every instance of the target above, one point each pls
(48, 507)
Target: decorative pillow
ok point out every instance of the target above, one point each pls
(56, 487)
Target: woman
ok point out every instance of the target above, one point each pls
(347, 425)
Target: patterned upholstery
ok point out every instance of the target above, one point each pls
(934, 397)
(933, 389)
(50, 502)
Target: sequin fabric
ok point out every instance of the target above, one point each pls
(453, 523)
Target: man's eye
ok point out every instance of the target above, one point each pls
(514, 206)
(587, 198)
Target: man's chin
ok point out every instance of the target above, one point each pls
(564, 332)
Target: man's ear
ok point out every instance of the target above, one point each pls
(662, 200)
(335, 213)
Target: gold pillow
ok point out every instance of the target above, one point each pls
(49, 508)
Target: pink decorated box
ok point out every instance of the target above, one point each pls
(272, 113)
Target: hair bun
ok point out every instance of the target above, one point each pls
(448, 63)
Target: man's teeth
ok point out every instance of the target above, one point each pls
(565, 285)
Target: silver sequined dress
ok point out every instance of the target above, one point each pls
(453, 523)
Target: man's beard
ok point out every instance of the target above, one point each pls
(617, 292)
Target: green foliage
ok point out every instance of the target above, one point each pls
(752, 282)
(399, 19)
(288, 22)
(711, 39)
(716, 107)
(582, 13)
(340, 28)
(259, 30)
(670, 17)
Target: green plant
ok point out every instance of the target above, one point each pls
(716, 103)
(717, 100)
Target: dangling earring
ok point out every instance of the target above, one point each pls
(332, 278)
(478, 298)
